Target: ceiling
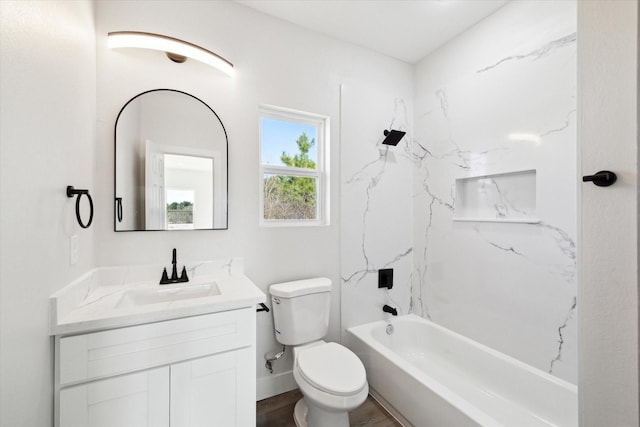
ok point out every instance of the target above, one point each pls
(407, 30)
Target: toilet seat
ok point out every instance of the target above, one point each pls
(332, 368)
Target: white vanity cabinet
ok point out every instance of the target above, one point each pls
(137, 399)
(191, 371)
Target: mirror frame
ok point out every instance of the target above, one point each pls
(115, 144)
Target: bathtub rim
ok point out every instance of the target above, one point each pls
(364, 334)
(445, 393)
(368, 328)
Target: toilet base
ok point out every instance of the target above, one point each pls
(305, 416)
(300, 412)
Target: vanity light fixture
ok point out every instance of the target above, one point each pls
(177, 50)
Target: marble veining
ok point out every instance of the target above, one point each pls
(509, 249)
(357, 276)
(504, 284)
(565, 124)
(536, 54)
(503, 205)
(376, 199)
(509, 285)
(560, 336)
(450, 150)
(422, 268)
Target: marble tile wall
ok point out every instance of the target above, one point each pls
(500, 98)
(376, 202)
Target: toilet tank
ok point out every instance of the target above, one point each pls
(301, 310)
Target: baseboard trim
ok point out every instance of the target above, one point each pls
(275, 384)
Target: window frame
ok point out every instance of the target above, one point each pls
(321, 173)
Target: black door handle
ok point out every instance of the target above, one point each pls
(601, 179)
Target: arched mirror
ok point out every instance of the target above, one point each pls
(170, 164)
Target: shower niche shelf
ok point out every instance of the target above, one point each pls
(502, 197)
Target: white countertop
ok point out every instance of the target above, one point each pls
(94, 301)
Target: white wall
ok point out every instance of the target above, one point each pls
(47, 141)
(511, 286)
(276, 63)
(608, 257)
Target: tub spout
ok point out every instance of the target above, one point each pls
(388, 309)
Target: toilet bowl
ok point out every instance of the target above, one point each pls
(333, 382)
(331, 378)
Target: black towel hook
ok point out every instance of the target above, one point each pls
(73, 192)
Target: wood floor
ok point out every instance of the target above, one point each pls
(277, 411)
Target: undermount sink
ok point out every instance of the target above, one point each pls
(138, 297)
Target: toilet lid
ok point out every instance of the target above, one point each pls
(332, 368)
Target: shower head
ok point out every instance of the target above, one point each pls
(393, 137)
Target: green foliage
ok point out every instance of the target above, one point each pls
(300, 160)
(180, 213)
(292, 197)
(182, 206)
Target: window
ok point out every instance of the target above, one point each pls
(179, 209)
(189, 184)
(293, 167)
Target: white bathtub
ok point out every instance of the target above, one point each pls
(434, 377)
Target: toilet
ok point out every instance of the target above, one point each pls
(330, 376)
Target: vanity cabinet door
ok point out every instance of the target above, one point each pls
(217, 390)
(138, 399)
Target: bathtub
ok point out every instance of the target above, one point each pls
(433, 377)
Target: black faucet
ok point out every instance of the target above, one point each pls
(165, 280)
(388, 309)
